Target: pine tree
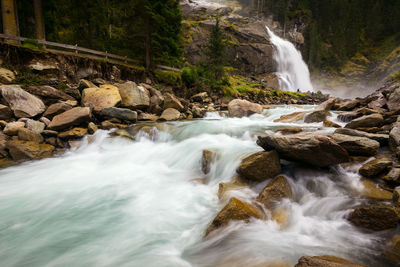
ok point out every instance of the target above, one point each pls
(216, 52)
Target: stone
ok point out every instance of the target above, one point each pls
(92, 128)
(101, 97)
(393, 175)
(373, 190)
(72, 117)
(22, 103)
(83, 84)
(74, 92)
(349, 105)
(124, 134)
(45, 120)
(383, 139)
(74, 133)
(207, 159)
(357, 146)
(242, 108)
(316, 116)
(5, 112)
(260, 166)
(373, 120)
(224, 188)
(328, 123)
(311, 148)
(171, 101)
(396, 196)
(134, 96)
(373, 168)
(292, 130)
(12, 128)
(394, 138)
(393, 249)
(55, 109)
(49, 133)
(119, 113)
(28, 135)
(201, 98)
(35, 126)
(6, 76)
(376, 217)
(6, 162)
(147, 117)
(108, 125)
(325, 261)
(394, 100)
(28, 150)
(48, 94)
(348, 116)
(275, 191)
(295, 116)
(170, 114)
(235, 210)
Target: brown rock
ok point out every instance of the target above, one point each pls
(260, 166)
(28, 135)
(373, 120)
(207, 159)
(5, 113)
(27, 150)
(92, 128)
(12, 128)
(357, 146)
(372, 190)
(325, 261)
(376, 218)
(225, 188)
(295, 116)
(55, 109)
(70, 118)
(373, 168)
(275, 191)
(328, 123)
(48, 94)
(99, 98)
(242, 108)
(171, 101)
(74, 133)
(170, 114)
(134, 96)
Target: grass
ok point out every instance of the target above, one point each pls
(27, 78)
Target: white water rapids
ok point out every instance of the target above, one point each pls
(292, 71)
(117, 202)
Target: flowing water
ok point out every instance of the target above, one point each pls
(117, 202)
(292, 71)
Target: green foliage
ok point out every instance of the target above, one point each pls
(190, 77)
(27, 78)
(216, 53)
(396, 77)
(169, 77)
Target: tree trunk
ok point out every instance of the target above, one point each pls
(39, 20)
(148, 42)
(10, 20)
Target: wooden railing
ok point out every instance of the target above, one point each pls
(83, 51)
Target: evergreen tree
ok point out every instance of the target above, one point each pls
(216, 52)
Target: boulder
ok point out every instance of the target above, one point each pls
(396, 196)
(6, 76)
(48, 94)
(349, 105)
(373, 191)
(394, 138)
(383, 139)
(310, 148)
(325, 261)
(375, 167)
(74, 92)
(393, 175)
(27, 150)
(170, 114)
(92, 128)
(295, 116)
(119, 113)
(28, 135)
(12, 128)
(394, 100)
(70, 118)
(35, 126)
(147, 117)
(376, 217)
(99, 98)
(22, 103)
(236, 184)
(328, 123)
(207, 159)
(134, 96)
(5, 113)
(235, 210)
(368, 121)
(242, 108)
(348, 116)
(275, 191)
(316, 116)
(75, 133)
(171, 101)
(260, 166)
(201, 98)
(357, 146)
(393, 249)
(55, 109)
(83, 84)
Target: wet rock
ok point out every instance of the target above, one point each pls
(375, 167)
(55, 109)
(295, 116)
(35, 126)
(134, 96)
(207, 159)
(396, 196)
(236, 184)
(6, 76)
(235, 210)
(393, 175)
(325, 261)
(170, 114)
(349, 116)
(22, 103)
(373, 120)
(49, 133)
(108, 125)
(242, 108)
(373, 190)
(119, 113)
(27, 150)
(171, 101)
(45, 120)
(293, 130)
(260, 166)
(376, 218)
(328, 123)
(316, 116)
(124, 134)
(357, 146)
(48, 94)
(28, 135)
(99, 98)
(275, 191)
(5, 113)
(6, 162)
(70, 118)
(310, 148)
(383, 139)
(92, 128)
(393, 249)
(75, 133)
(12, 128)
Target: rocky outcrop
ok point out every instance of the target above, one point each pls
(357, 146)
(69, 118)
(134, 96)
(325, 261)
(242, 108)
(310, 148)
(101, 97)
(260, 166)
(376, 218)
(275, 191)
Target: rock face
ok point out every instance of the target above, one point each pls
(374, 167)
(99, 98)
(242, 108)
(22, 103)
(170, 114)
(134, 96)
(357, 146)
(373, 120)
(27, 150)
(119, 113)
(325, 261)
(310, 148)
(260, 166)
(70, 118)
(275, 191)
(235, 210)
(377, 218)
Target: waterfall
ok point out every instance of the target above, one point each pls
(292, 71)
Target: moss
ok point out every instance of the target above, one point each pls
(396, 77)
(169, 77)
(27, 78)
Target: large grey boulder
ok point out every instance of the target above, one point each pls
(242, 108)
(134, 96)
(119, 113)
(22, 103)
(356, 145)
(310, 148)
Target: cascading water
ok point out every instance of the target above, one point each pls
(292, 71)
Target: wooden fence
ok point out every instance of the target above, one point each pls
(75, 49)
